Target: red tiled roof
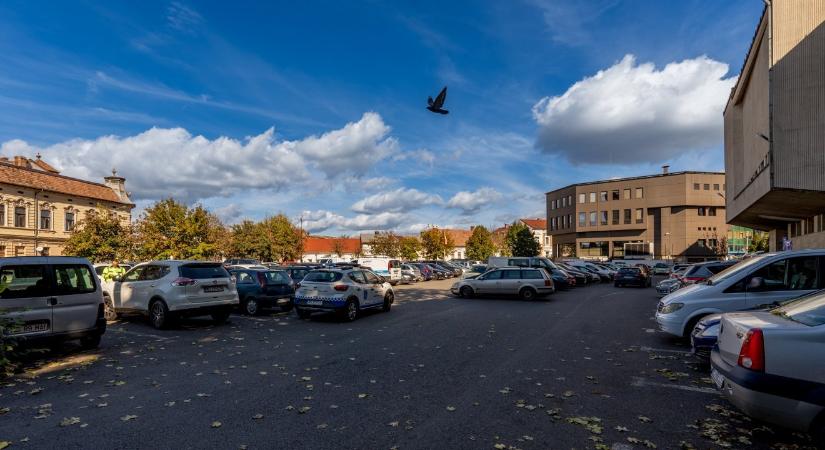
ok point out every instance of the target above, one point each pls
(31, 178)
(536, 224)
(323, 244)
(459, 236)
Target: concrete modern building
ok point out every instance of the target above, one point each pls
(39, 208)
(678, 216)
(775, 128)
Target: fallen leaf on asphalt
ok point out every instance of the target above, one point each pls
(4, 410)
(258, 416)
(684, 445)
(304, 409)
(321, 426)
(35, 391)
(648, 444)
(4, 444)
(362, 395)
(69, 421)
(451, 408)
(102, 405)
(621, 429)
(393, 424)
(128, 417)
(645, 419)
(592, 424)
(633, 440)
(500, 446)
(216, 424)
(170, 403)
(568, 394)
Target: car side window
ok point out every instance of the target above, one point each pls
(511, 274)
(772, 275)
(371, 277)
(73, 279)
(154, 273)
(802, 273)
(493, 275)
(531, 275)
(23, 282)
(358, 277)
(245, 278)
(134, 274)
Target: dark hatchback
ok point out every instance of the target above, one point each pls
(562, 279)
(260, 289)
(632, 276)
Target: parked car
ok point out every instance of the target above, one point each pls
(388, 268)
(346, 292)
(475, 271)
(631, 276)
(412, 271)
(661, 269)
(527, 283)
(520, 261)
(562, 279)
(296, 272)
(427, 273)
(241, 262)
(260, 289)
(441, 272)
(51, 297)
(702, 271)
(668, 285)
(453, 270)
(582, 278)
(166, 290)
(602, 273)
(771, 365)
(761, 280)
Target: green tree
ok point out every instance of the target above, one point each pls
(169, 229)
(511, 237)
(386, 244)
(100, 237)
(410, 246)
(480, 244)
(247, 240)
(283, 239)
(436, 243)
(525, 244)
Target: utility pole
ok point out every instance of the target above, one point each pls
(301, 238)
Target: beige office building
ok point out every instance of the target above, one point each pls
(775, 128)
(679, 216)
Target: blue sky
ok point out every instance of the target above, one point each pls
(317, 108)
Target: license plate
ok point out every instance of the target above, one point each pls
(213, 289)
(30, 328)
(282, 301)
(717, 378)
(315, 302)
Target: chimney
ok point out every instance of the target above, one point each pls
(118, 184)
(22, 161)
(665, 169)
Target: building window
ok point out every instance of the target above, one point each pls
(552, 205)
(45, 219)
(615, 217)
(592, 218)
(603, 217)
(581, 198)
(711, 211)
(626, 194)
(627, 216)
(715, 186)
(45, 251)
(712, 243)
(569, 220)
(20, 217)
(69, 221)
(582, 219)
(702, 211)
(640, 215)
(563, 202)
(2, 218)
(603, 196)
(695, 186)
(707, 186)
(615, 194)
(701, 243)
(570, 200)
(592, 197)
(640, 193)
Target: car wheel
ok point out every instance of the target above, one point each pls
(220, 317)
(388, 299)
(527, 294)
(690, 326)
(466, 291)
(302, 313)
(159, 314)
(90, 342)
(350, 311)
(109, 312)
(250, 307)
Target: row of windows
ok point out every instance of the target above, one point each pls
(602, 197)
(563, 202)
(598, 218)
(706, 186)
(706, 211)
(45, 222)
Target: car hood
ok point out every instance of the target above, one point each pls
(684, 293)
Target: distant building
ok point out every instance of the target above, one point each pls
(678, 216)
(323, 247)
(39, 208)
(739, 240)
(539, 229)
(459, 238)
(775, 128)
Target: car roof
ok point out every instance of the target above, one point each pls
(43, 260)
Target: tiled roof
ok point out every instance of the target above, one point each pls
(459, 236)
(536, 224)
(31, 178)
(323, 244)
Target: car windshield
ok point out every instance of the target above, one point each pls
(277, 277)
(202, 271)
(735, 269)
(808, 310)
(323, 276)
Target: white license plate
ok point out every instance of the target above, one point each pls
(31, 328)
(213, 289)
(282, 301)
(315, 302)
(717, 378)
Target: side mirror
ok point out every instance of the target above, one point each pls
(756, 284)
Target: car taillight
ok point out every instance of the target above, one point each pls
(183, 281)
(752, 354)
(341, 287)
(262, 279)
(548, 283)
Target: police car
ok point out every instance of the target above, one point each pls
(346, 292)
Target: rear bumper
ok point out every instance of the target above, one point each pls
(755, 394)
(320, 303)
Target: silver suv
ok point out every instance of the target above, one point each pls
(527, 283)
(166, 290)
(51, 297)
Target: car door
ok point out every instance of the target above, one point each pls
(78, 298)
(26, 297)
(487, 283)
(510, 282)
(362, 288)
(123, 291)
(782, 280)
(376, 288)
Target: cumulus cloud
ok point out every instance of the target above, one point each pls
(398, 200)
(472, 202)
(633, 112)
(163, 162)
(320, 220)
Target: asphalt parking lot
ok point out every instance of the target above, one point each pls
(584, 369)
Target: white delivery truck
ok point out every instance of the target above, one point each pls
(386, 267)
(521, 261)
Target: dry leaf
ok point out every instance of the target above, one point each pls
(216, 424)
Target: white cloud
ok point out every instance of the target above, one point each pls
(472, 202)
(421, 155)
(635, 113)
(163, 162)
(569, 23)
(229, 214)
(398, 200)
(320, 220)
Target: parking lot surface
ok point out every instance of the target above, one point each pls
(583, 369)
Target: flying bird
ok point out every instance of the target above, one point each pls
(435, 105)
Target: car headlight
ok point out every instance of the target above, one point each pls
(710, 331)
(672, 308)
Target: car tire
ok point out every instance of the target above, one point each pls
(388, 299)
(91, 341)
(109, 312)
(690, 326)
(251, 307)
(527, 294)
(466, 292)
(351, 310)
(221, 316)
(159, 315)
(302, 313)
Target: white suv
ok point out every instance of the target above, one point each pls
(166, 290)
(344, 291)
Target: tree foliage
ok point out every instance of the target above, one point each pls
(523, 243)
(170, 229)
(386, 244)
(760, 242)
(100, 237)
(436, 243)
(410, 247)
(480, 244)
(272, 239)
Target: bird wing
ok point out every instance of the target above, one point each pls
(439, 101)
(429, 101)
